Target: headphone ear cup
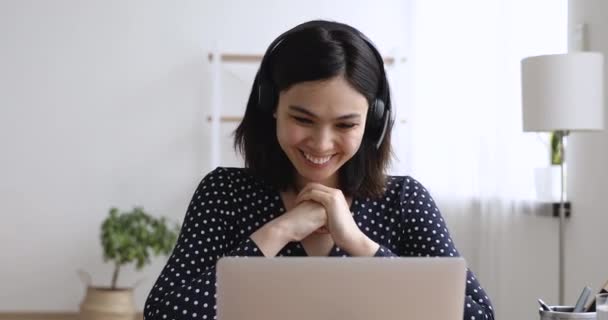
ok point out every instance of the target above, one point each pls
(378, 110)
(375, 115)
(377, 121)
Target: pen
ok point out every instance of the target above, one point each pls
(591, 306)
(582, 299)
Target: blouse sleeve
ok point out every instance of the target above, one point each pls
(185, 288)
(425, 234)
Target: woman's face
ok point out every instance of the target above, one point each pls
(320, 126)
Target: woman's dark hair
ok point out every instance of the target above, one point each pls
(312, 51)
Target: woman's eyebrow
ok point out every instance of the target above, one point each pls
(310, 114)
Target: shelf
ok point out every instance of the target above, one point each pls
(226, 119)
(250, 58)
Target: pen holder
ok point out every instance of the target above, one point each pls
(565, 313)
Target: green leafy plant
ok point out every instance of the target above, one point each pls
(556, 147)
(132, 236)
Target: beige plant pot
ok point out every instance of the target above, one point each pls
(107, 304)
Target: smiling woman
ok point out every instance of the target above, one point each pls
(316, 138)
(323, 69)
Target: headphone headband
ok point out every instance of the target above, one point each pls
(379, 113)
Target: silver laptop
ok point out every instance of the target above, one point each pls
(322, 288)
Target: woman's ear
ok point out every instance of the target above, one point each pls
(274, 114)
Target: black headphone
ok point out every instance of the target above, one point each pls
(379, 114)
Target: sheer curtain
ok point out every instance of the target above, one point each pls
(466, 143)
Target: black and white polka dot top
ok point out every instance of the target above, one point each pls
(229, 205)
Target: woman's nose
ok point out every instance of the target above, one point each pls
(322, 140)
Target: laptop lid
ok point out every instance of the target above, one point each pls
(323, 288)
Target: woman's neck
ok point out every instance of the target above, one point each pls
(301, 182)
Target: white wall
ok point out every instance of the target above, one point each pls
(103, 103)
(587, 154)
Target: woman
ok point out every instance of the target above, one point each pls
(316, 138)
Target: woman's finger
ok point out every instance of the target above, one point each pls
(313, 186)
(322, 230)
(315, 195)
(318, 186)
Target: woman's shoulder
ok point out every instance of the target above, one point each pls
(402, 183)
(403, 187)
(225, 173)
(232, 178)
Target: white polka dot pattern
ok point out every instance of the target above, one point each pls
(229, 205)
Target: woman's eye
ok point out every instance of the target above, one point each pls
(303, 120)
(346, 125)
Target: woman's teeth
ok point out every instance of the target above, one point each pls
(316, 160)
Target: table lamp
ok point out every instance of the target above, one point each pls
(563, 93)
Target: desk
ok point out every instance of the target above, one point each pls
(46, 316)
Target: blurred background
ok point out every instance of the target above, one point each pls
(106, 103)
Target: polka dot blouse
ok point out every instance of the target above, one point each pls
(229, 205)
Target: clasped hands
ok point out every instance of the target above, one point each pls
(321, 209)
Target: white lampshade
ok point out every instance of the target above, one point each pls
(563, 92)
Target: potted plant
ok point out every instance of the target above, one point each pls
(127, 237)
